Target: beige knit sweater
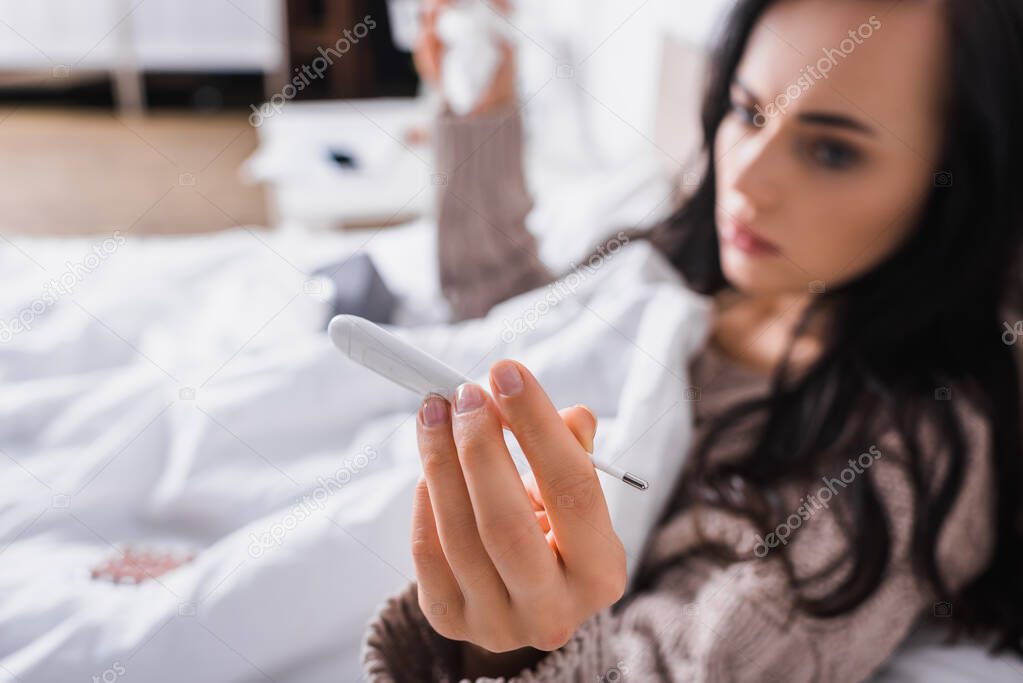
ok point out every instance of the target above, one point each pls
(699, 619)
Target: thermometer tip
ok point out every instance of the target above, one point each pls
(635, 482)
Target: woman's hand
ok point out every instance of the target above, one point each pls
(503, 564)
(429, 53)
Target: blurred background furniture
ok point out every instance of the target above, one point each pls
(380, 67)
(344, 163)
(140, 114)
(120, 114)
(127, 39)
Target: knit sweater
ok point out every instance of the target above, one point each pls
(695, 617)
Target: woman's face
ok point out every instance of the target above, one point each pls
(830, 147)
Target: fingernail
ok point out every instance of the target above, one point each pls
(508, 379)
(435, 411)
(469, 397)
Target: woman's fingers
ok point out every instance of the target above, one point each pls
(504, 515)
(502, 87)
(440, 598)
(452, 509)
(564, 473)
(533, 491)
(506, 561)
(429, 50)
(582, 423)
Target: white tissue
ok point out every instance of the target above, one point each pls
(472, 34)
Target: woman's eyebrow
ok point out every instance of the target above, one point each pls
(818, 118)
(835, 120)
(745, 89)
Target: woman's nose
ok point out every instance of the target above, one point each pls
(757, 171)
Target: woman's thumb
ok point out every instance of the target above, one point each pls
(583, 424)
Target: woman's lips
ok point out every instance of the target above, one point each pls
(738, 235)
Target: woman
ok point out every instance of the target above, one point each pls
(858, 236)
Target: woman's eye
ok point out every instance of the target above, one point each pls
(747, 115)
(832, 155)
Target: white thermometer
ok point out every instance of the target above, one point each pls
(385, 354)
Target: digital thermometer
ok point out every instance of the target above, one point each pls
(373, 347)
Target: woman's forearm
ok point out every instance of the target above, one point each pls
(486, 253)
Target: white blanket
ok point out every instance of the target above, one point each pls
(183, 395)
(180, 394)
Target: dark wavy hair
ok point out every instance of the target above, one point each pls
(928, 316)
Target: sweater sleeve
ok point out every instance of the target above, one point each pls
(486, 253)
(705, 622)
